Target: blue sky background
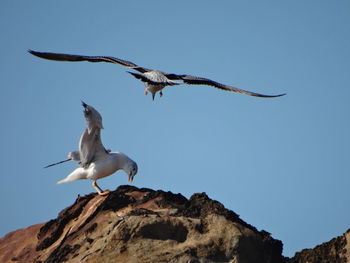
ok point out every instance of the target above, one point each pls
(282, 164)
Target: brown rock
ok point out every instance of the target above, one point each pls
(336, 250)
(142, 225)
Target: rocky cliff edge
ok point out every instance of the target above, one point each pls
(142, 225)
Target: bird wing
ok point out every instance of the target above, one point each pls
(72, 156)
(90, 146)
(67, 160)
(92, 116)
(193, 80)
(77, 58)
(172, 76)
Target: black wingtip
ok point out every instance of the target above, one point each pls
(53, 164)
(34, 53)
(269, 96)
(280, 95)
(31, 51)
(132, 73)
(84, 104)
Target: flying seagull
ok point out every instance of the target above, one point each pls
(95, 161)
(154, 80)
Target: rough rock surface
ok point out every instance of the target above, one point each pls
(142, 225)
(336, 250)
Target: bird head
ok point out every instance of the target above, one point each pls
(131, 170)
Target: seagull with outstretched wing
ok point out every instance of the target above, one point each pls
(154, 80)
(95, 161)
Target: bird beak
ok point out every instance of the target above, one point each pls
(153, 95)
(130, 178)
(84, 104)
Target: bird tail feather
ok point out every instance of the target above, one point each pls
(77, 174)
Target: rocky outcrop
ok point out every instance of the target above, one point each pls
(142, 225)
(336, 250)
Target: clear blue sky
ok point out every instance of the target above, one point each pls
(281, 164)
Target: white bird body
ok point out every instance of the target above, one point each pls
(154, 81)
(103, 165)
(157, 76)
(157, 82)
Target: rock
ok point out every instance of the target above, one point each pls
(142, 225)
(336, 250)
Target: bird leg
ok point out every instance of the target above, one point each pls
(99, 190)
(146, 91)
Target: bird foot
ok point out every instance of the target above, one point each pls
(104, 193)
(146, 91)
(160, 94)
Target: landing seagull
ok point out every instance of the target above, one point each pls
(154, 80)
(95, 161)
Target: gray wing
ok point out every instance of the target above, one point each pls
(90, 146)
(77, 58)
(193, 80)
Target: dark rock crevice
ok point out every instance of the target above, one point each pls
(164, 230)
